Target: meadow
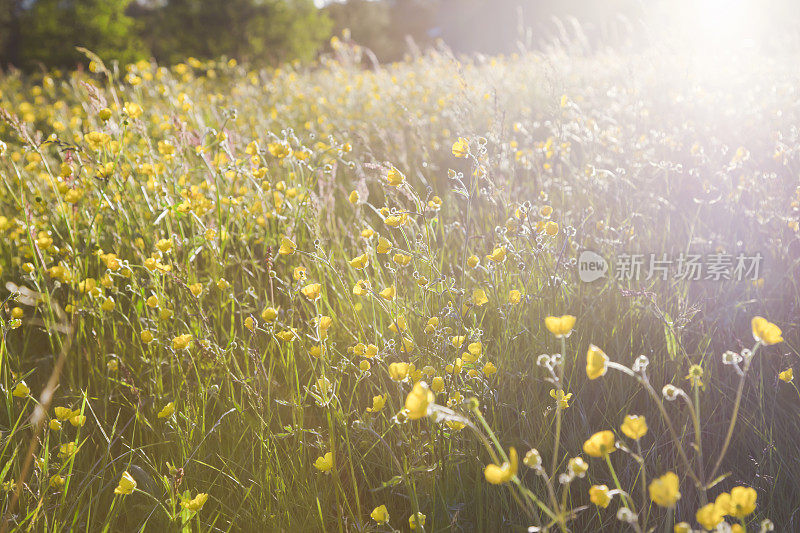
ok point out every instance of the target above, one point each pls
(337, 298)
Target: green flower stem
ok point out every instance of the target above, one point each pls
(557, 439)
(674, 434)
(698, 440)
(644, 484)
(735, 413)
(625, 498)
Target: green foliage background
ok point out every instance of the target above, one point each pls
(45, 33)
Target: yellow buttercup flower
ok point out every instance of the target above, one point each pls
(743, 501)
(126, 484)
(634, 427)
(315, 351)
(499, 474)
(324, 463)
(695, 376)
(324, 385)
(551, 228)
(380, 514)
(63, 413)
(596, 361)
(167, 411)
(787, 375)
(416, 520)
(479, 297)
(133, 110)
(600, 444)
(489, 369)
(561, 398)
(498, 255)
(288, 247)
(709, 516)
(324, 323)
(723, 504)
(108, 304)
(399, 324)
(181, 342)
(312, 291)
(395, 221)
(598, 495)
(664, 490)
(66, 450)
(360, 288)
(77, 419)
(402, 259)
(196, 503)
(432, 324)
(353, 198)
(682, 527)
(406, 345)
(384, 246)
(560, 326)
(96, 139)
(395, 177)
(455, 425)
(360, 261)
(461, 147)
(164, 245)
(269, 314)
(21, 390)
(514, 296)
(389, 293)
(418, 401)
(766, 332)
(377, 403)
(398, 371)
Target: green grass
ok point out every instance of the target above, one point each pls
(638, 156)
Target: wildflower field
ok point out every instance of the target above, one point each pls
(335, 298)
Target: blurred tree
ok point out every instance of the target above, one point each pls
(49, 31)
(386, 26)
(369, 22)
(414, 21)
(257, 30)
(9, 31)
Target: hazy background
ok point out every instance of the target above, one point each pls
(43, 33)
